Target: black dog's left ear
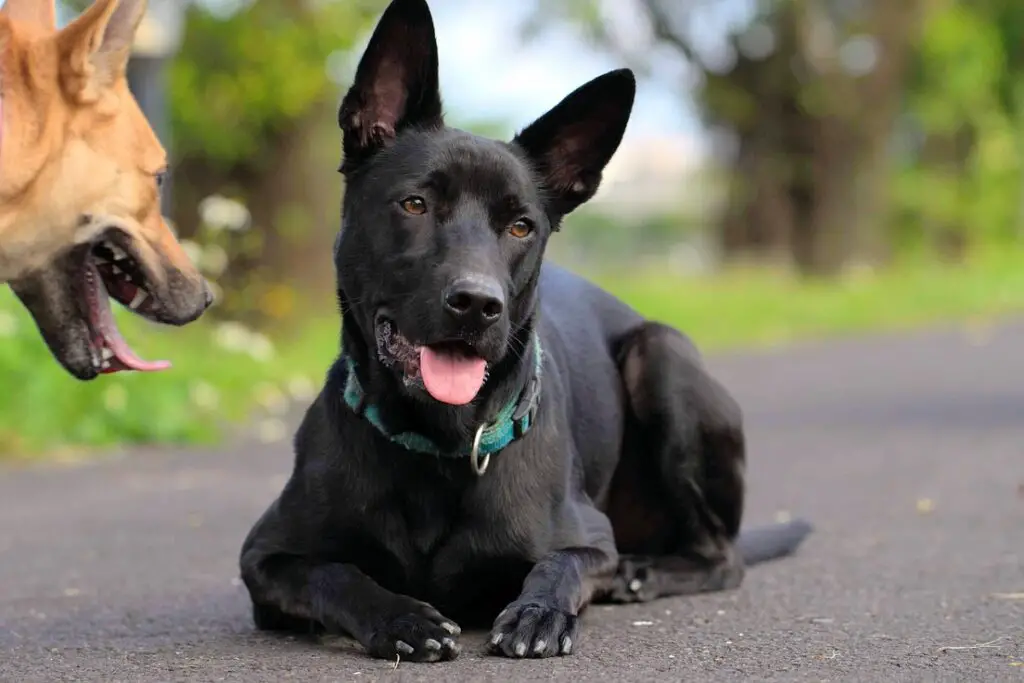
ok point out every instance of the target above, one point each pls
(571, 144)
(396, 84)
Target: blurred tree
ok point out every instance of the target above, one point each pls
(964, 182)
(808, 93)
(253, 117)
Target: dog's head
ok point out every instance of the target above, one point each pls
(443, 232)
(80, 171)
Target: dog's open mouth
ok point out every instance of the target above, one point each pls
(451, 372)
(111, 272)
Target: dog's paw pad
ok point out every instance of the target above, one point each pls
(420, 635)
(533, 630)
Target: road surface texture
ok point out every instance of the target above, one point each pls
(907, 453)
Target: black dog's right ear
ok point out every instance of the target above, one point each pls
(571, 144)
(396, 84)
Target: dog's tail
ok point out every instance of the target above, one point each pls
(765, 543)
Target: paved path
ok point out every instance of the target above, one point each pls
(907, 452)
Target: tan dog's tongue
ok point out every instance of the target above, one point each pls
(451, 377)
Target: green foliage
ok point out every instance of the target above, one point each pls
(220, 373)
(242, 78)
(966, 98)
(751, 307)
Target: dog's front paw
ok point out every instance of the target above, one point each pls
(531, 629)
(414, 631)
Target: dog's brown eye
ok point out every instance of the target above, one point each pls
(414, 205)
(160, 178)
(521, 228)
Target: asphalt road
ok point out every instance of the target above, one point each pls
(907, 452)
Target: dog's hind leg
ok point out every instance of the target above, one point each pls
(676, 501)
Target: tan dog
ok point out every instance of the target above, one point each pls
(80, 169)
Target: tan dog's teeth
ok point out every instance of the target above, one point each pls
(118, 252)
(107, 355)
(140, 296)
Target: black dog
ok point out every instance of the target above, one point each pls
(498, 437)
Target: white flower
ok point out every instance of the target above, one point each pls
(115, 398)
(205, 396)
(272, 398)
(301, 388)
(260, 347)
(271, 431)
(8, 324)
(220, 213)
(233, 336)
(213, 260)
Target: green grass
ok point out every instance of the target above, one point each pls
(752, 308)
(219, 374)
(223, 374)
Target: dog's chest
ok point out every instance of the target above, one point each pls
(435, 541)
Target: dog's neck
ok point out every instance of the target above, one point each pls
(505, 406)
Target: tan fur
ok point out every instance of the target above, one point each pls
(75, 142)
(77, 155)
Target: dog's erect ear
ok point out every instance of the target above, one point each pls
(40, 12)
(96, 46)
(396, 84)
(571, 144)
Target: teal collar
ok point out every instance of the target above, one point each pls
(512, 421)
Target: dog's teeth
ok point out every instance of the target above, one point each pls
(140, 296)
(105, 365)
(118, 252)
(107, 354)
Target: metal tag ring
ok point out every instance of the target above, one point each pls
(479, 466)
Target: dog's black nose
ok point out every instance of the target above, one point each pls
(475, 300)
(207, 294)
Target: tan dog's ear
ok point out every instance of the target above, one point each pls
(40, 12)
(96, 46)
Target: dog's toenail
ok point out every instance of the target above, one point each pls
(498, 637)
(635, 585)
(402, 646)
(520, 649)
(448, 642)
(539, 647)
(432, 644)
(451, 628)
(566, 645)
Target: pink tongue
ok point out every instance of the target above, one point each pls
(102, 319)
(451, 377)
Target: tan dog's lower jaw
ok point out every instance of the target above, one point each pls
(70, 300)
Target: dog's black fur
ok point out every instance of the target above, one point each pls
(630, 484)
